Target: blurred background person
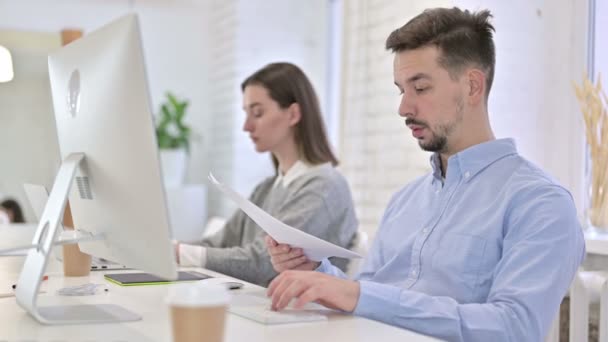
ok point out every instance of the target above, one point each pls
(12, 211)
(307, 192)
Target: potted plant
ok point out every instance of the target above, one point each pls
(173, 137)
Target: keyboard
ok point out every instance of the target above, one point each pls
(263, 314)
(255, 305)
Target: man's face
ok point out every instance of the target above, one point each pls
(432, 102)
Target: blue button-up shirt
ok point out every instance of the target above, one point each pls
(485, 255)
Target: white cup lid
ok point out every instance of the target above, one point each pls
(198, 294)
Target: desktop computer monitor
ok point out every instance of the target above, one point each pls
(110, 163)
(102, 109)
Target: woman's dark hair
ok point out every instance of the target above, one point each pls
(287, 84)
(14, 207)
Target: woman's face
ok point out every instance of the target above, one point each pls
(269, 126)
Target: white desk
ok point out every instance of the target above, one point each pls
(148, 301)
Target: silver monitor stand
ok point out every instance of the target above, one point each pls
(37, 259)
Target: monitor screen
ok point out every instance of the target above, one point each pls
(102, 110)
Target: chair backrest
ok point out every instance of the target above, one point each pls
(360, 246)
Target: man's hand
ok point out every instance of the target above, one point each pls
(310, 286)
(284, 258)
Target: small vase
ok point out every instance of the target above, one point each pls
(173, 163)
(596, 211)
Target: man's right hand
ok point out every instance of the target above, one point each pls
(283, 257)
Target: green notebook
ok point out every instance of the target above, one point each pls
(134, 279)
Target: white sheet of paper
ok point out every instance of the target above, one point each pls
(314, 248)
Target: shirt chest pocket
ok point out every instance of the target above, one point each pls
(460, 256)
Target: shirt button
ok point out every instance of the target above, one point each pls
(437, 191)
(414, 272)
(467, 174)
(424, 230)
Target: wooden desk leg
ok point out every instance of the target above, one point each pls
(75, 263)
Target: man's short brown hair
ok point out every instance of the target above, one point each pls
(463, 38)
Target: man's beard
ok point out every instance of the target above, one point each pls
(438, 142)
(439, 135)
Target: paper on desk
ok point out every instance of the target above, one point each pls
(314, 248)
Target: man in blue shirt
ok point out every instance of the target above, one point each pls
(481, 249)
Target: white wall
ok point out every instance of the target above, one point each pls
(378, 155)
(26, 115)
(176, 45)
(601, 44)
(541, 48)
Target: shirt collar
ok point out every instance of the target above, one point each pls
(296, 170)
(469, 162)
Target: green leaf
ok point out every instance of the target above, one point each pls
(173, 112)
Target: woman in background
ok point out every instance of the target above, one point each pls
(12, 209)
(307, 192)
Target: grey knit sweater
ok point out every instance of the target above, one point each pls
(318, 202)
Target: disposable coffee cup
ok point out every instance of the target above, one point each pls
(198, 312)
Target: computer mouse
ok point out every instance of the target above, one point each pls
(229, 283)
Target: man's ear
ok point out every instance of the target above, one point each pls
(295, 115)
(477, 86)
